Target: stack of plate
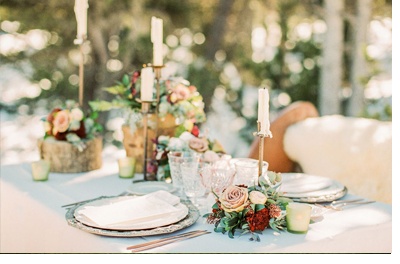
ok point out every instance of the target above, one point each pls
(154, 213)
(310, 188)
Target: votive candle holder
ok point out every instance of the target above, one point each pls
(40, 170)
(127, 167)
(298, 217)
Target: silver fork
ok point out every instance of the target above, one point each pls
(338, 205)
(125, 193)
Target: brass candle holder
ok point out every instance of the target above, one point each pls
(157, 75)
(262, 136)
(80, 42)
(146, 110)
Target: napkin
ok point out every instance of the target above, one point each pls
(303, 183)
(133, 210)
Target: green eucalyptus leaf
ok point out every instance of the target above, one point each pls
(116, 89)
(125, 80)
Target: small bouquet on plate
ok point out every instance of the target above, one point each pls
(252, 209)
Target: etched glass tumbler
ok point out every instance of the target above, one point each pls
(175, 159)
(217, 175)
(247, 171)
(190, 171)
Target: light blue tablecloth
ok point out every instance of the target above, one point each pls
(32, 221)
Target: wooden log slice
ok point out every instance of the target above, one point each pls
(66, 158)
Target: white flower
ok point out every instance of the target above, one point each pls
(163, 109)
(176, 144)
(186, 136)
(74, 125)
(76, 114)
(257, 197)
(163, 139)
(210, 156)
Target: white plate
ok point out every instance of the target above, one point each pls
(189, 220)
(153, 223)
(311, 188)
(142, 188)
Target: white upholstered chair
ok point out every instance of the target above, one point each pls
(354, 151)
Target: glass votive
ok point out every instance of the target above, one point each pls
(126, 167)
(247, 171)
(40, 170)
(298, 217)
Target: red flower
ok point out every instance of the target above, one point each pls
(135, 76)
(259, 220)
(195, 131)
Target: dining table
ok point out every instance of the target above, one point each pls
(34, 221)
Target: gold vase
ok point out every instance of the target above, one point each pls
(133, 141)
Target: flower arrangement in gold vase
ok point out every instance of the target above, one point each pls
(177, 98)
(250, 209)
(180, 109)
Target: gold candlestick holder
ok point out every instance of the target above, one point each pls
(80, 42)
(262, 136)
(157, 75)
(146, 109)
(145, 112)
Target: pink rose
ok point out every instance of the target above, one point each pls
(181, 92)
(234, 199)
(61, 122)
(198, 144)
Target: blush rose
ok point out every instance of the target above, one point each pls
(198, 144)
(234, 199)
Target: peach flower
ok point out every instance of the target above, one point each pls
(181, 92)
(198, 144)
(61, 122)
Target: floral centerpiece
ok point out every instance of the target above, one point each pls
(180, 108)
(186, 141)
(253, 209)
(72, 141)
(70, 124)
(177, 98)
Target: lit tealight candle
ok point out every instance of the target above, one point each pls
(40, 170)
(126, 167)
(298, 217)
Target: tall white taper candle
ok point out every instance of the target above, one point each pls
(80, 9)
(263, 111)
(157, 39)
(147, 83)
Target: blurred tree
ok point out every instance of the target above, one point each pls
(229, 45)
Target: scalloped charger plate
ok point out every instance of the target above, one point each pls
(191, 217)
(143, 188)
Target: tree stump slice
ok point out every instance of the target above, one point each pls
(66, 158)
